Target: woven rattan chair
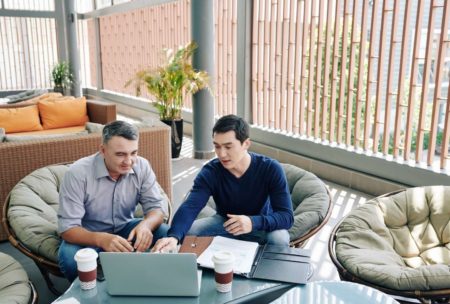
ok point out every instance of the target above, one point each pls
(398, 243)
(311, 201)
(30, 218)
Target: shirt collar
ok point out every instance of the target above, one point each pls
(100, 167)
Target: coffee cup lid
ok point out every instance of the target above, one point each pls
(86, 255)
(223, 257)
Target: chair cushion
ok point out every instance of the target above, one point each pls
(14, 286)
(33, 205)
(310, 200)
(63, 112)
(64, 132)
(32, 210)
(20, 119)
(399, 241)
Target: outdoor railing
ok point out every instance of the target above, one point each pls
(369, 76)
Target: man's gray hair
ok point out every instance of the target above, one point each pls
(119, 128)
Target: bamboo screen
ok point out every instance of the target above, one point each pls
(225, 29)
(368, 75)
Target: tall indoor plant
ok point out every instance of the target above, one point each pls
(61, 77)
(169, 84)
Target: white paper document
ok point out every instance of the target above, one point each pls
(244, 253)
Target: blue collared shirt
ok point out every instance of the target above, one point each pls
(91, 199)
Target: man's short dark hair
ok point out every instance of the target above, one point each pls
(232, 123)
(119, 128)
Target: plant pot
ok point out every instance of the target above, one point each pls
(58, 89)
(176, 127)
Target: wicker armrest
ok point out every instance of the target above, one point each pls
(101, 112)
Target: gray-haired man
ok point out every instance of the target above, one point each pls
(99, 195)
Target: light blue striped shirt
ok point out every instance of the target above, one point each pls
(90, 198)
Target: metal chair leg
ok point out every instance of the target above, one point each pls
(34, 297)
(47, 279)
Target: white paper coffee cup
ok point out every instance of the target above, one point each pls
(86, 259)
(223, 270)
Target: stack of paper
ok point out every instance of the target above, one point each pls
(244, 253)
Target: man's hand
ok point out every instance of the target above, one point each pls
(238, 224)
(114, 243)
(143, 235)
(165, 245)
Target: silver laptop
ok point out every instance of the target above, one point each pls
(151, 274)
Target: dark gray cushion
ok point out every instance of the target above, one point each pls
(25, 95)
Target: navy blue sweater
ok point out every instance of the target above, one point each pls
(261, 193)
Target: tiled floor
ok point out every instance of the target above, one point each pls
(184, 170)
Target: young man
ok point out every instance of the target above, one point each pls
(250, 192)
(99, 195)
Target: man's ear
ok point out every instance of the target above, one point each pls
(247, 143)
(102, 149)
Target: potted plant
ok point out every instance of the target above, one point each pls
(61, 77)
(169, 84)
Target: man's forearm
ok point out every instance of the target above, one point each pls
(154, 219)
(81, 236)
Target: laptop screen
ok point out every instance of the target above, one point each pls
(151, 274)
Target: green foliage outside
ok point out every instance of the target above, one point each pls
(338, 81)
(363, 93)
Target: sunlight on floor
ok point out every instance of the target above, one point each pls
(344, 202)
(186, 174)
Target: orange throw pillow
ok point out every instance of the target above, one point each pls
(21, 119)
(63, 113)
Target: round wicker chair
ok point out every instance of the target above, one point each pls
(15, 287)
(30, 218)
(311, 201)
(398, 243)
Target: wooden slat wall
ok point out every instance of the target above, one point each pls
(438, 96)
(141, 35)
(357, 73)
